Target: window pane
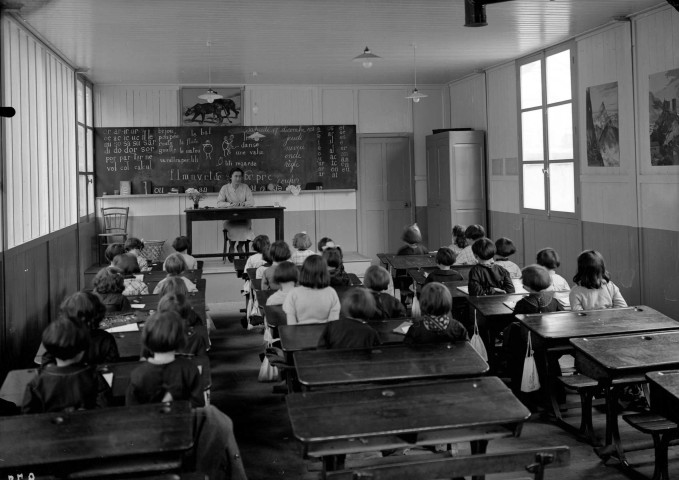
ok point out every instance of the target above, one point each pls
(81, 101)
(561, 187)
(88, 105)
(81, 149)
(560, 132)
(82, 184)
(90, 193)
(531, 136)
(533, 186)
(90, 150)
(531, 84)
(559, 77)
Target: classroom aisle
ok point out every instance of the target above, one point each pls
(270, 452)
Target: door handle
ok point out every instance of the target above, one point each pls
(406, 204)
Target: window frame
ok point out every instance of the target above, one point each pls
(547, 212)
(89, 214)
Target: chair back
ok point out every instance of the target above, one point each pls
(275, 317)
(115, 219)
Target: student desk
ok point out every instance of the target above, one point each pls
(201, 284)
(139, 438)
(623, 358)
(397, 363)
(664, 401)
(419, 275)
(404, 262)
(233, 213)
(397, 416)
(156, 276)
(305, 337)
(551, 333)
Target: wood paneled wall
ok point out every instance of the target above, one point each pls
(39, 150)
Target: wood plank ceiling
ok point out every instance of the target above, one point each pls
(303, 41)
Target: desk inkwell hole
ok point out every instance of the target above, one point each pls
(637, 309)
(58, 420)
(646, 337)
(388, 393)
(581, 314)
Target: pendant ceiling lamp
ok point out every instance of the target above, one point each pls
(415, 95)
(209, 96)
(367, 58)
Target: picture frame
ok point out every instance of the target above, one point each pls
(196, 111)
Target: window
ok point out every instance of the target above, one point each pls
(546, 133)
(85, 126)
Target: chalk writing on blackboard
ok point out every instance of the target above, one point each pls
(271, 157)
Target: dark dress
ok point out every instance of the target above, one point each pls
(74, 387)
(484, 278)
(180, 378)
(102, 349)
(348, 333)
(419, 333)
(339, 278)
(543, 302)
(115, 302)
(443, 276)
(387, 306)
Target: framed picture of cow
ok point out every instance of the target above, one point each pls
(223, 111)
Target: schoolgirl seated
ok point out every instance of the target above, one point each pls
(376, 280)
(459, 240)
(109, 285)
(504, 248)
(181, 244)
(338, 277)
(176, 286)
(175, 266)
(267, 262)
(445, 258)
(313, 301)
(352, 330)
(593, 286)
(327, 242)
(112, 251)
(436, 324)
(68, 384)
(472, 234)
(549, 258)
(412, 236)
(279, 252)
(260, 244)
(128, 266)
(286, 276)
(134, 246)
(536, 281)
(164, 377)
(197, 341)
(301, 244)
(487, 278)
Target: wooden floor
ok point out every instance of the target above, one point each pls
(269, 450)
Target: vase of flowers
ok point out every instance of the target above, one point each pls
(196, 196)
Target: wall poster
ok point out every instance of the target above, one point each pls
(603, 141)
(663, 118)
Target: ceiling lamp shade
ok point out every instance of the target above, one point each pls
(209, 96)
(415, 95)
(367, 58)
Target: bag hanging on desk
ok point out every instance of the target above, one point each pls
(477, 343)
(530, 382)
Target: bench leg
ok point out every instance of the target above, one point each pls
(661, 444)
(333, 462)
(613, 444)
(478, 447)
(586, 426)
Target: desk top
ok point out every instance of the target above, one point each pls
(388, 363)
(403, 409)
(454, 291)
(418, 274)
(665, 393)
(630, 354)
(158, 275)
(95, 435)
(409, 261)
(305, 337)
(593, 323)
(493, 305)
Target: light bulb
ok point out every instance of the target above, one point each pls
(367, 64)
(416, 100)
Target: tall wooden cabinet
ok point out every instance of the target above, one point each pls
(456, 184)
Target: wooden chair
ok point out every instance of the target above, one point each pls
(256, 282)
(443, 466)
(275, 317)
(114, 223)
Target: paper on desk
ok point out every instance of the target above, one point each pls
(109, 378)
(138, 305)
(130, 327)
(403, 328)
(518, 286)
(464, 289)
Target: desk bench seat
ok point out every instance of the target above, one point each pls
(445, 466)
(337, 447)
(664, 433)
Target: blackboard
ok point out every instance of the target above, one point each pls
(158, 159)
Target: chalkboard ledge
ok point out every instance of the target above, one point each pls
(214, 194)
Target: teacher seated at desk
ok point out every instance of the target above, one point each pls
(237, 194)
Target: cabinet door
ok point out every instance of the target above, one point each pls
(468, 196)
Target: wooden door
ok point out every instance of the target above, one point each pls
(386, 197)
